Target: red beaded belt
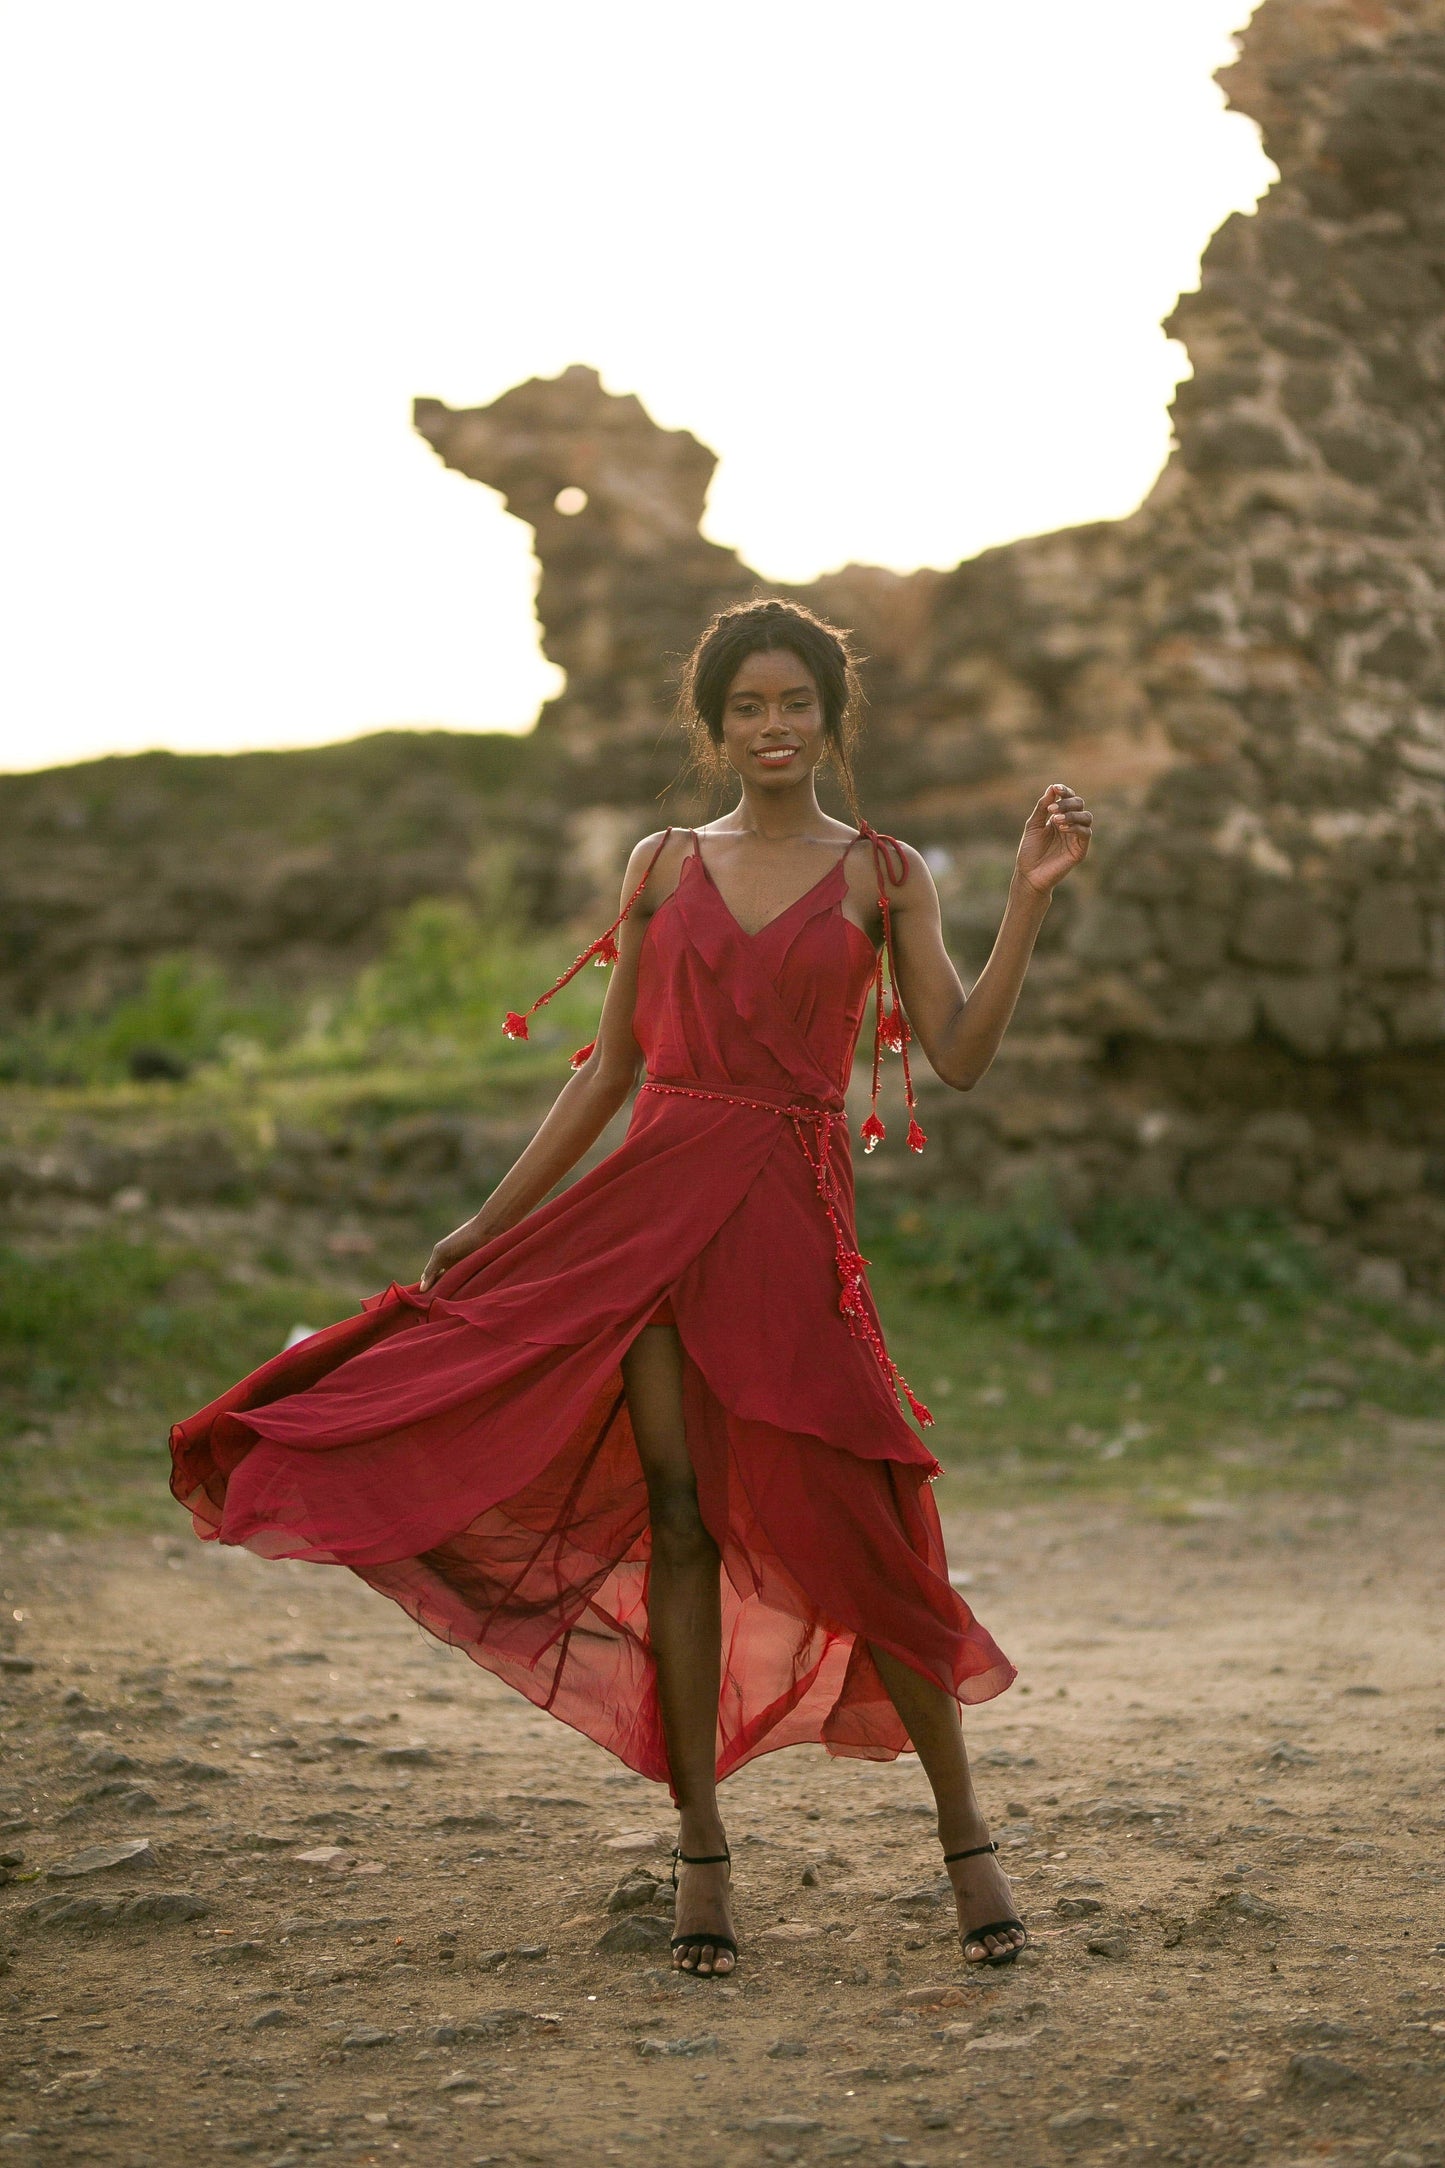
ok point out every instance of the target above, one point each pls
(815, 1127)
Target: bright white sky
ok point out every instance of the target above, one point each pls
(901, 267)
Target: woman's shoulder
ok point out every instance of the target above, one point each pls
(879, 858)
(654, 865)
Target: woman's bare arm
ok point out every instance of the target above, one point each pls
(586, 1102)
(961, 1032)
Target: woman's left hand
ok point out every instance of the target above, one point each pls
(1055, 839)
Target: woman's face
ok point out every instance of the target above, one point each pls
(773, 720)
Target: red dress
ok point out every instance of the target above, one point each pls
(468, 1452)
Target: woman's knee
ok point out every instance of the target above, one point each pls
(677, 1522)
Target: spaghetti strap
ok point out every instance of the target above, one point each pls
(890, 864)
(602, 951)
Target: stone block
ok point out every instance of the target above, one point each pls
(1241, 1181)
(1371, 1170)
(1304, 1011)
(1112, 932)
(1289, 932)
(1387, 931)
(1417, 1018)
(1222, 1012)
(1280, 1131)
(1195, 940)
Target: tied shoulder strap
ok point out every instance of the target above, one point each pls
(893, 1029)
(602, 951)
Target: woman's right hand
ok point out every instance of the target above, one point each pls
(450, 1251)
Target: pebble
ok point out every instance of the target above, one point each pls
(790, 1931)
(927, 1898)
(407, 1756)
(108, 1760)
(1077, 1908)
(161, 1907)
(635, 1840)
(334, 1857)
(1242, 1904)
(704, 2044)
(1115, 1944)
(531, 1951)
(264, 2020)
(946, 1995)
(1085, 2126)
(1320, 2074)
(259, 1840)
(195, 1772)
(483, 1818)
(637, 1890)
(368, 2036)
(638, 1931)
(128, 1852)
(787, 2051)
(1001, 2043)
(783, 2126)
(17, 1666)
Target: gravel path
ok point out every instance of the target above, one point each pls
(284, 1880)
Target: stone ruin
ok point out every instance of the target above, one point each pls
(1243, 1002)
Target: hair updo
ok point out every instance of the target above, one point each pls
(765, 627)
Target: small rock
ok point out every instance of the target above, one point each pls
(368, 2036)
(1077, 1908)
(792, 2126)
(790, 1931)
(1085, 2126)
(1242, 1904)
(638, 1931)
(1114, 1944)
(1001, 2043)
(128, 1852)
(195, 1772)
(266, 2020)
(415, 1755)
(1320, 2074)
(927, 1898)
(947, 1995)
(260, 1840)
(787, 2051)
(637, 1891)
(483, 1818)
(107, 1760)
(17, 1666)
(635, 1840)
(460, 2081)
(704, 2044)
(334, 1857)
(532, 1952)
(300, 1656)
(1285, 1754)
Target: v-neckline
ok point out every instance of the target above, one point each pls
(788, 908)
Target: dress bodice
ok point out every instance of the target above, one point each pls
(777, 1011)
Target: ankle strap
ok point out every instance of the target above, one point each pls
(703, 1859)
(972, 1853)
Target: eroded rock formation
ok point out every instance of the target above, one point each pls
(1247, 1001)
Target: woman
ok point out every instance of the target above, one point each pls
(638, 1449)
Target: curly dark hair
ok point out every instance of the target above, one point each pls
(769, 626)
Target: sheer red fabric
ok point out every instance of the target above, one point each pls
(468, 1452)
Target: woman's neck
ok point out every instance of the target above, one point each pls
(775, 815)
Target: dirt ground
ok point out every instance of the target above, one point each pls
(1217, 1783)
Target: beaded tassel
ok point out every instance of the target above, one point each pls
(890, 1029)
(602, 951)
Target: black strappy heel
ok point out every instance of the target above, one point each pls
(994, 1927)
(718, 1941)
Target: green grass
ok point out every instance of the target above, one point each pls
(1160, 1359)
(107, 1341)
(1152, 1353)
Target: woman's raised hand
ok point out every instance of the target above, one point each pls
(1055, 839)
(450, 1251)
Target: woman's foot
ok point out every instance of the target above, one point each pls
(984, 1899)
(702, 1927)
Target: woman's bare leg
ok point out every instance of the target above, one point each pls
(684, 1612)
(980, 1885)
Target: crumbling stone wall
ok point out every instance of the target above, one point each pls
(1244, 1003)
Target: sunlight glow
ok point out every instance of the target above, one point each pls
(902, 270)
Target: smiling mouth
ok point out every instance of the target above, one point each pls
(775, 756)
